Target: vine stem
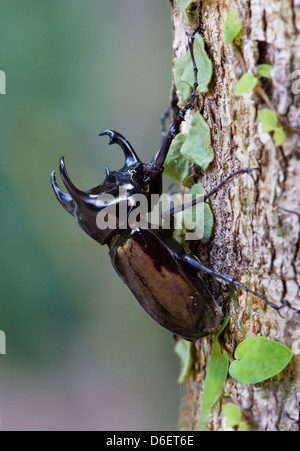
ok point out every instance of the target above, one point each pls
(259, 90)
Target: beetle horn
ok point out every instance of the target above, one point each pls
(64, 199)
(75, 192)
(115, 137)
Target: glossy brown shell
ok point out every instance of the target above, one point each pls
(171, 293)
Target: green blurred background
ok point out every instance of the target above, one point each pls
(81, 352)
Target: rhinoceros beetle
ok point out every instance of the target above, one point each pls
(154, 266)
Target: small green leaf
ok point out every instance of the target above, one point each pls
(234, 417)
(264, 70)
(215, 379)
(279, 135)
(176, 166)
(183, 350)
(180, 64)
(184, 71)
(233, 414)
(232, 26)
(245, 84)
(268, 119)
(197, 145)
(203, 214)
(187, 180)
(259, 359)
(243, 426)
(188, 8)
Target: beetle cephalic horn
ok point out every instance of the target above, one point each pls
(64, 199)
(75, 192)
(115, 137)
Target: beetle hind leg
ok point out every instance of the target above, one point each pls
(193, 261)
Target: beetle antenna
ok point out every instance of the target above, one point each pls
(174, 130)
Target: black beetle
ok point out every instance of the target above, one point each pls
(153, 265)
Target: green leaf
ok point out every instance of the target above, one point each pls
(232, 413)
(183, 350)
(215, 379)
(234, 417)
(259, 359)
(264, 70)
(180, 64)
(216, 376)
(197, 145)
(176, 166)
(279, 135)
(224, 324)
(184, 71)
(188, 9)
(203, 214)
(245, 84)
(187, 180)
(268, 119)
(243, 426)
(232, 26)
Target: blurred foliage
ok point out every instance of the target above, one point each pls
(74, 68)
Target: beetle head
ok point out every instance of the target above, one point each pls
(134, 177)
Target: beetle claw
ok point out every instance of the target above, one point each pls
(64, 199)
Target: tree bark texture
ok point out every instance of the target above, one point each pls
(256, 236)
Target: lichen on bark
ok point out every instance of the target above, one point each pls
(256, 236)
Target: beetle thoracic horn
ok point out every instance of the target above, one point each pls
(115, 137)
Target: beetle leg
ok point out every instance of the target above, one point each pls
(193, 261)
(230, 176)
(163, 118)
(115, 137)
(204, 197)
(174, 130)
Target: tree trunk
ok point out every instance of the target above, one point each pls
(256, 236)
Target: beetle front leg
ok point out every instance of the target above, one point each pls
(163, 128)
(174, 130)
(193, 261)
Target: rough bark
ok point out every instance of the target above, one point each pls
(256, 236)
